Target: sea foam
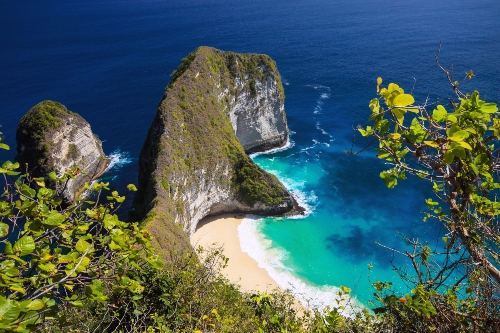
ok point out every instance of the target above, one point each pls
(117, 159)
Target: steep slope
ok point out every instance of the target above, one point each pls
(192, 163)
(52, 138)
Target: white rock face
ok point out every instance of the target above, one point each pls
(52, 139)
(76, 146)
(259, 121)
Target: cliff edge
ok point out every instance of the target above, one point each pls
(52, 138)
(217, 106)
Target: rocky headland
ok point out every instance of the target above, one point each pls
(217, 107)
(50, 138)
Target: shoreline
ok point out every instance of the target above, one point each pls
(241, 269)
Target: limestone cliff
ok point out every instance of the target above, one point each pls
(192, 163)
(256, 109)
(51, 138)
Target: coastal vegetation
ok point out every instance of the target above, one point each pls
(454, 146)
(52, 255)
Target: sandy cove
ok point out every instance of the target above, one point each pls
(222, 231)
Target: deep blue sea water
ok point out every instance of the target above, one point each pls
(111, 60)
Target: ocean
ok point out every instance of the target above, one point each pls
(111, 60)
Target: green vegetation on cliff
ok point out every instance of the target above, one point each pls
(193, 154)
(32, 129)
(43, 117)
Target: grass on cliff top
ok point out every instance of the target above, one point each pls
(204, 133)
(43, 117)
(239, 65)
(32, 141)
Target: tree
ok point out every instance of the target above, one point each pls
(51, 254)
(454, 145)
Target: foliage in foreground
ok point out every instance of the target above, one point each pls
(51, 255)
(454, 145)
(192, 296)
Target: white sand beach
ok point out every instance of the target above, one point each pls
(222, 231)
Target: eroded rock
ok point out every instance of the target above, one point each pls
(52, 138)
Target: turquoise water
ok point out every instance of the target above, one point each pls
(348, 210)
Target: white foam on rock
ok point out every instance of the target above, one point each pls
(118, 159)
(289, 144)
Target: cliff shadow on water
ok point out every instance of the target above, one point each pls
(218, 107)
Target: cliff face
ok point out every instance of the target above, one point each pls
(257, 113)
(192, 163)
(51, 138)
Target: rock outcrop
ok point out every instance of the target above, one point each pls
(51, 138)
(193, 163)
(257, 110)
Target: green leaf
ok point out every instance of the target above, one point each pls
(429, 202)
(132, 187)
(459, 135)
(400, 115)
(465, 145)
(28, 191)
(54, 219)
(24, 246)
(8, 248)
(53, 175)
(403, 100)
(110, 221)
(458, 151)
(113, 246)
(394, 136)
(17, 287)
(431, 144)
(439, 114)
(417, 131)
(4, 229)
(489, 108)
(36, 304)
(82, 246)
(8, 165)
(448, 157)
(48, 267)
(451, 118)
(4, 146)
(83, 265)
(366, 132)
(9, 310)
(77, 303)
